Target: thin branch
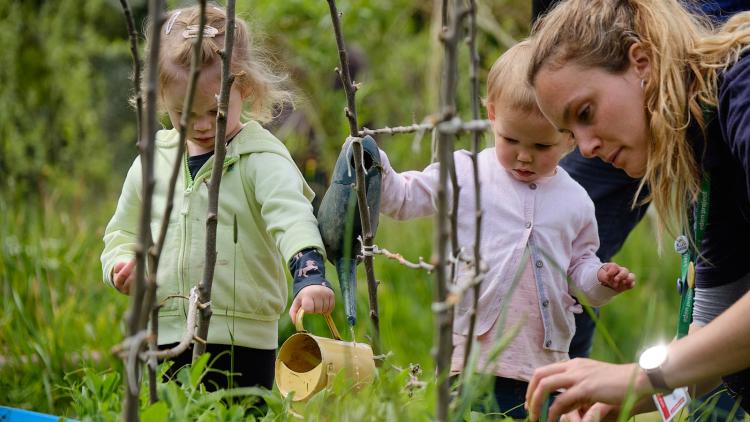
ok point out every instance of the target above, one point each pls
(475, 146)
(146, 142)
(343, 71)
(453, 126)
(364, 211)
(443, 314)
(195, 70)
(423, 127)
(457, 291)
(376, 250)
(156, 251)
(220, 150)
(135, 56)
(133, 37)
(187, 337)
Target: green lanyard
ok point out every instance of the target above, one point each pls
(686, 282)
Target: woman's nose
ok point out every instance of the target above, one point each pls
(588, 145)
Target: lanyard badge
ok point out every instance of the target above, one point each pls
(669, 405)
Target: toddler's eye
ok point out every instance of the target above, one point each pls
(511, 141)
(543, 147)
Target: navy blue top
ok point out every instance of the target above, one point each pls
(725, 153)
(721, 10)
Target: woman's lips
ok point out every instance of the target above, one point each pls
(613, 157)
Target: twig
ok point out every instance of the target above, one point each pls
(375, 250)
(364, 211)
(422, 127)
(444, 315)
(475, 145)
(220, 150)
(456, 291)
(187, 337)
(453, 126)
(146, 142)
(132, 363)
(195, 69)
(133, 37)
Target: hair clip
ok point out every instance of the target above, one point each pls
(171, 22)
(191, 31)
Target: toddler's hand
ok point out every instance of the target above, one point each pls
(616, 277)
(313, 299)
(123, 275)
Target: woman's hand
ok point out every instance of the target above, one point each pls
(585, 382)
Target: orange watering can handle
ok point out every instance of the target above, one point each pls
(329, 321)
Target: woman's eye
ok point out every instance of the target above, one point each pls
(584, 115)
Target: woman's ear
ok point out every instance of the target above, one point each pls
(640, 61)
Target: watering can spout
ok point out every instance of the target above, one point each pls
(346, 269)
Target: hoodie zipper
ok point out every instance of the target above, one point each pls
(190, 183)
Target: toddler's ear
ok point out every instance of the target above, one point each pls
(490, 110)
(568, 142)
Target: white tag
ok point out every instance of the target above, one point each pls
(669, 405)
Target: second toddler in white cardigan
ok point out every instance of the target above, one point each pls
(538, 236)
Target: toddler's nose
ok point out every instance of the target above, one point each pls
(202, 124)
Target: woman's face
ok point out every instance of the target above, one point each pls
(603, 111)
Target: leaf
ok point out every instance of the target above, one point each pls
(198, 369)
(155, 412)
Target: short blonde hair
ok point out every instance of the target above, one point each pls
(259, 84)
(507, 83)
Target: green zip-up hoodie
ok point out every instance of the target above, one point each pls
(264, 189)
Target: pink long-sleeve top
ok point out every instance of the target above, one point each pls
(552, 217)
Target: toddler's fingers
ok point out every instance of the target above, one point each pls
(294, 308)
(330, 303)
(312, 304)
(118, 266)
(127, 269)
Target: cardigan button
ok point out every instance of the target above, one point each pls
(528, 224)
(545, 303)
(532, 186)
(539, 264)
(548, 343)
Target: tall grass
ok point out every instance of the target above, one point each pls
(59, 321)
(57, 316)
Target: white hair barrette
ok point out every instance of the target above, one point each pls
(171, 22)
(191, 31)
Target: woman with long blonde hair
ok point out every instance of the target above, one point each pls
(656, 91)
